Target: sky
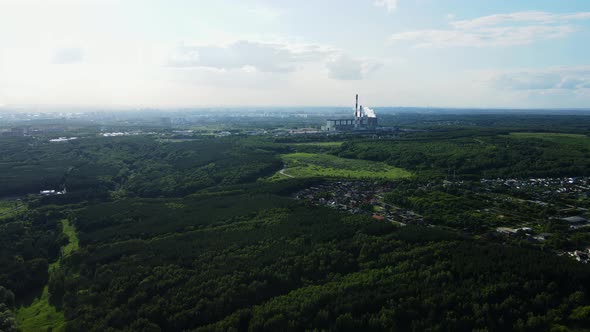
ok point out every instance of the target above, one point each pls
(194, 53)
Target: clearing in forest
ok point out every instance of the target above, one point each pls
(306, 165)
(41, 315)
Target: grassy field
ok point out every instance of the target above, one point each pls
(6, 207)
(305, 165)
(70, 230)
(9, 208)
(41, 315)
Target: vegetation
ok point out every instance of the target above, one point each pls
(401, 289)
(42, 314)
(6, 207)
(69, 230)
(577, 140)
(169, 234)
(7, 319)
(322, 144)
(469, 156)
(278, 265)
(302, 165)
(465, 207)
(90, 168)
(27, 244)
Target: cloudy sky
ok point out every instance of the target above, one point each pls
(433, 53)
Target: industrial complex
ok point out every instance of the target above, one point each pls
(364, 119)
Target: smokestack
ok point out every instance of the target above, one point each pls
(356, 107)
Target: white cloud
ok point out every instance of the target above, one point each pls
(497, 36)
(70, 55)
(560, 78)
(263, 12)
(519, 28)
(390, 5)
(278, 57)
(264, 57)
(535, 17)
(343, 67)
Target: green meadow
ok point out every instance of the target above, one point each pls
(40, 315)
(306, 165)
(6, 207)
(70, 230)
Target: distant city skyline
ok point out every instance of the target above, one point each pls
(181, 53)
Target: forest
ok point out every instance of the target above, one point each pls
(134, 165)
(469, 154)
(159, 234)
(290, 267)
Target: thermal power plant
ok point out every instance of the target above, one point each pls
(364, 119)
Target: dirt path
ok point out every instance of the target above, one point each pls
(282, 172)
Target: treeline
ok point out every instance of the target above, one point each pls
(28, 165)
(441, 286)
(466, 119)
(147, 168)
(91, 168)
(477, 156)
(28, 242)
(7, 318)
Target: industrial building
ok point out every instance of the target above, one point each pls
(364, 119)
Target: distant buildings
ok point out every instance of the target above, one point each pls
(23, 131)
(364, 119)
(355, 197)
(15, 132)
(52, 192)
(62, 139)
(514, 231)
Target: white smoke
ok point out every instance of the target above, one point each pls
(369, 112)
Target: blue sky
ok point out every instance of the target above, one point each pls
(432, 53)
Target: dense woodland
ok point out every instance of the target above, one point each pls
(290, 267)
(468, 154)
(7, 318)
(27, 244)
(137, 166)
(191, 235)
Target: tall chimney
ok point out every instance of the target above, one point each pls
(356, 107)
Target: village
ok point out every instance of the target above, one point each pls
(543, 188)
(367, 198)
(359, 197)
(567, 197)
